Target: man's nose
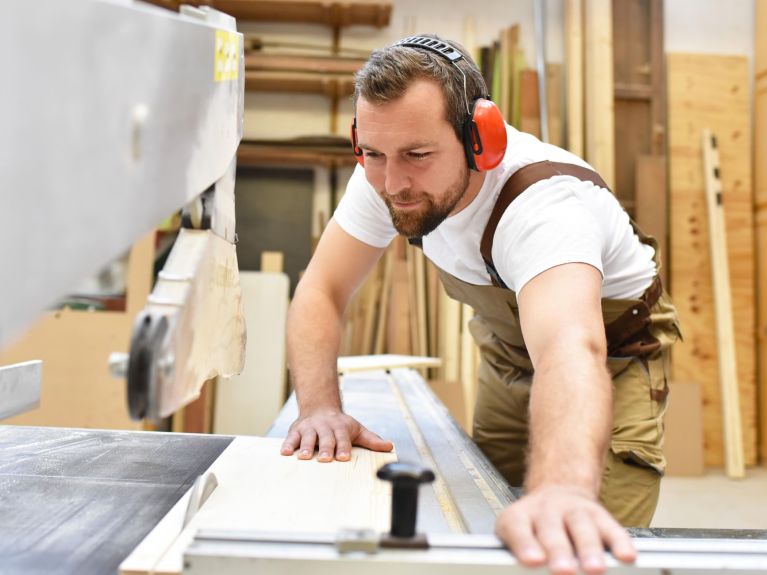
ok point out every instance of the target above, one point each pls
(397, 178)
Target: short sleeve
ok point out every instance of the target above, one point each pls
(546, 226)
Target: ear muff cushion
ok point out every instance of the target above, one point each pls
(357, 150)
(484, 136)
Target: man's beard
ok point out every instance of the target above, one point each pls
(418, 223)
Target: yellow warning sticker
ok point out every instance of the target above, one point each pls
(227, 60)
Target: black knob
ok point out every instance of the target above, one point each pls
(406, 479)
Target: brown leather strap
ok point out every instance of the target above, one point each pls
(519, 181)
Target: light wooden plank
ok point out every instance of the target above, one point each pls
(504, 82)
(353, 363)
(600, 121)
(468, 367)
(683, 440)
(574, 63)
(272, 261)
(530, 112)
(398, 313)
(651, 207)
(554, 102)
(760, 204)
(450, 336)
(422, 347)
(725, 336)
(248, 403)
(712, 91)
(259, 489)
(386, 288)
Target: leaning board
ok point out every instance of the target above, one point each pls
(259, 489)
(706, 91)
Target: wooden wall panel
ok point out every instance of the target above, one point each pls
(707, 91)
(760, 193)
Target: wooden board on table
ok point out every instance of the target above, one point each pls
(259, 489)
(348, 364)
(598, 60)
(248, 403)
(709, 91)
(760, 203)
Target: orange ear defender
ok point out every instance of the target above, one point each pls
(484, 136)
(484, 130)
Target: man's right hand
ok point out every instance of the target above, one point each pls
(334, 433)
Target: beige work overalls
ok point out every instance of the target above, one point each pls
(639, 335)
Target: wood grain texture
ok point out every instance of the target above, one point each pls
(529, 103)
(574, 63)
(554, 102)
(706, 91)
(198, 291)
(651, 208)
(760, 204)
(725, 336)
(600, 120)
(260, 489)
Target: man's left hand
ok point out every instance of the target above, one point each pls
(563, 526)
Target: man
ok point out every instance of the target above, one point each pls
(558, 276)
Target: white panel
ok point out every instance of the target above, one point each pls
(248, 403)
(709, 26)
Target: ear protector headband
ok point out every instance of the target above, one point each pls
(483, 132)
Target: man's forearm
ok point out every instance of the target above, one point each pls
(314, 335)
(570, 424)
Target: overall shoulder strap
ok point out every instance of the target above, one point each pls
(514, 186)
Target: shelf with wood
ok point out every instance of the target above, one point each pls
(335, 13)
(327, 152)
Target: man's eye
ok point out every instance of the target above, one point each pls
(419, 155)
(371, 154)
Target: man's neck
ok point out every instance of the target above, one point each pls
(476, 180)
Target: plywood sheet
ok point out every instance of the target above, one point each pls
(708, 91)
(259, 489)
(760, 191)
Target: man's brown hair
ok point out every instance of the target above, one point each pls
(389, 72)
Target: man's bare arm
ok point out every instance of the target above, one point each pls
(560, 518)
(338, 267)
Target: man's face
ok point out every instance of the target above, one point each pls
(413, 158)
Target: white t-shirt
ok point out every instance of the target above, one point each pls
(556, 221)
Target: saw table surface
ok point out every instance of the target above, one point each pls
(78, 501)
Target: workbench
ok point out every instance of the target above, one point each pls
(79, 501)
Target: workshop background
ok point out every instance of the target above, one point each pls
(630, 85)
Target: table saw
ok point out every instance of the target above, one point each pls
(147, 121)
(81, 501)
